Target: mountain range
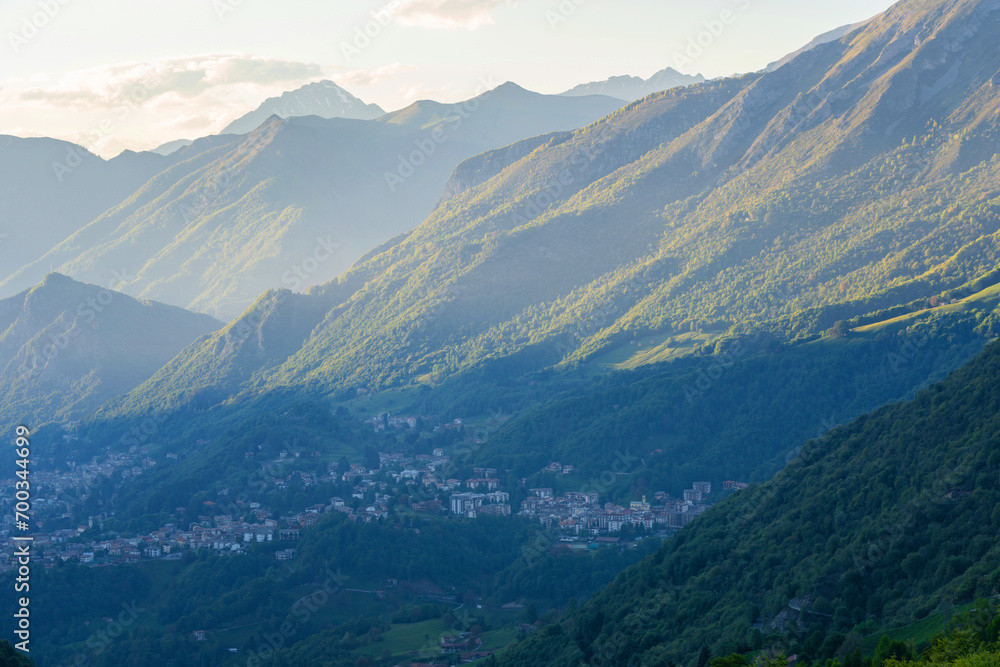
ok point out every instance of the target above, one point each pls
(53, 188)
(292, 204)
(632, 88)
(769, 277)
(856, 178)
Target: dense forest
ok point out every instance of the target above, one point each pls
(427, 569)
(879, 522)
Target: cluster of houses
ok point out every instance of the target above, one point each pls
(433, 489)
(430, 473)
(558, 468)
(221, 534)
(384, 421)
(50, 487)
(494, 503)
(582, 514)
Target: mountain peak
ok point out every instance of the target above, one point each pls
(64, 334)
(321, 98)
(510, 90)
(56, 278)
(510, 86)
(56, 282)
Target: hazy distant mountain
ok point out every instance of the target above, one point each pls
(50, 189)
(323, 98)
(295, 202)
(825, 38)
(67, 347)
(632, 88)
(172, 146)
(503, 115)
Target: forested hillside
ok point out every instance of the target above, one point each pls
(879, 522)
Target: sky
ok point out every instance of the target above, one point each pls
(121, 74)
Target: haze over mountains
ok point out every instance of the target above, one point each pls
(58, 187)
(52, 184)
(68, 347)
(632, 88)
(292, 204)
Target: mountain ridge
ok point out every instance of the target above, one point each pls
(67, 347)
(632, 88)
(322, 98)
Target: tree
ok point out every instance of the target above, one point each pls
(888, 648)
(530, 614)
(772, 659)
(733, 660)
(9, 656)
(839, 329)
(704, 656)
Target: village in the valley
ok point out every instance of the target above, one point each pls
(420, 483)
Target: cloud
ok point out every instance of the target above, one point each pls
(419, 91)
(372, 76)
(140, 83)
(143, 104)
(448, 14)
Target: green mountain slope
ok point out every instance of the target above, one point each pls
(882, 519)
(67, 347)
(737, 416)
(858, 177)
